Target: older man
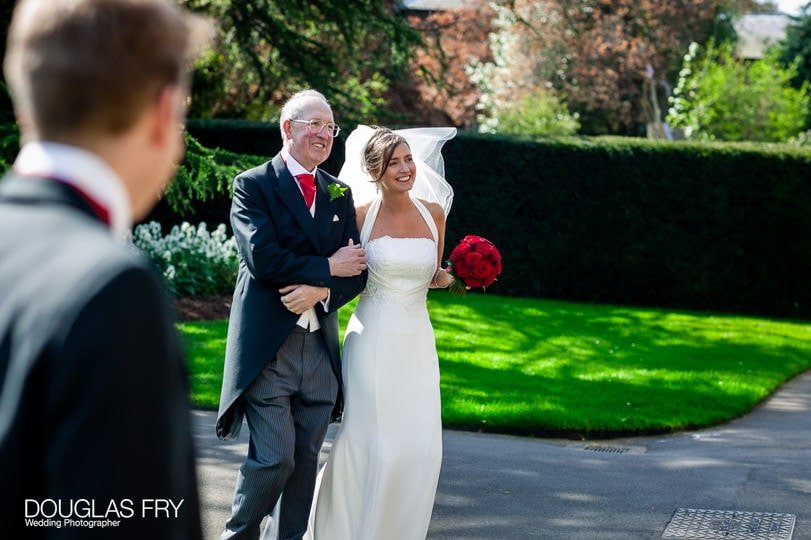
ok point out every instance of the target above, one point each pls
(299, 262)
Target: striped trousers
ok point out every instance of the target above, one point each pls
(288, 410)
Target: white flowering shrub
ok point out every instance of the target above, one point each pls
(802, 139)
(194, 261)
(517, 92)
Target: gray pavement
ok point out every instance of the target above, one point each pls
(504, 487)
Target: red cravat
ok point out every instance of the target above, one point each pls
(307, 182)
(100, 210)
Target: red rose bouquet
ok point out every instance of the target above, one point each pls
(475, 262)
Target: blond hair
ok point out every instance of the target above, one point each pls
(93, 66)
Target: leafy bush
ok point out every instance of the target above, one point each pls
(795, 49)
(204, 174)
(803, 139)
(537, 114)
(719, 97)
(9, 145)
(193, 261)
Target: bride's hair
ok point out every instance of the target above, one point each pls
(378, 151)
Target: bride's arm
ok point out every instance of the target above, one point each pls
(441, 279)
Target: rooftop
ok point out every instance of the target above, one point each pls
(757, 31)
(437, 5)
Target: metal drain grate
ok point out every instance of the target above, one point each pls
(725, 524)
(606, 449)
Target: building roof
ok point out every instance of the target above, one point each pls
(436, 5)
(756, 31)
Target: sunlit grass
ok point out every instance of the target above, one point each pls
(536, 366)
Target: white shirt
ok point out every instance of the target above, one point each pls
(83, 170)
(308, 319)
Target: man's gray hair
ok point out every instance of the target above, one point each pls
(293, 108)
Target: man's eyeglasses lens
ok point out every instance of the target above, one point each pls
(315, 126)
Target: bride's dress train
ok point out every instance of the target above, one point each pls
(381, 476)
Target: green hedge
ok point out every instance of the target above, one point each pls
(629, 221)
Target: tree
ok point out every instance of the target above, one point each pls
(517, 75)
(439, 90)
(720, 97)
(267, 49)
(796, 49)
(594, 54)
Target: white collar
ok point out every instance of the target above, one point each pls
(83, 170)
(294, 166)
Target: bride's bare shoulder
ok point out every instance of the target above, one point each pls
(361, 210)
(435, 209)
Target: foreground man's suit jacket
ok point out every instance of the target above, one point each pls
(93, 393)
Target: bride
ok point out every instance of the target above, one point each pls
(381, 476)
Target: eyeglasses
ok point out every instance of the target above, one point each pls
(315, 126)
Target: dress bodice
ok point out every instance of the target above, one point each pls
(400, 269)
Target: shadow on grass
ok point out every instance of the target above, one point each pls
(582, 371)
(544, 368)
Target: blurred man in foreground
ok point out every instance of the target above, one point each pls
(95, 438)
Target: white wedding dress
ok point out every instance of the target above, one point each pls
(381, 475)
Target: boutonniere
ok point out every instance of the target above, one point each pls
(335, 191)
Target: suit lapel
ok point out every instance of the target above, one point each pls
(324, 207)
(290, 194)
(38, 190)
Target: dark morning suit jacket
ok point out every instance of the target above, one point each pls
(280, 244)
(93, 394)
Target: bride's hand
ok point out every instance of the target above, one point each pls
(442, 279)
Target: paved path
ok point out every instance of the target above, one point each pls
(503, 487)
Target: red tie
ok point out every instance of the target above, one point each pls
(307, 182)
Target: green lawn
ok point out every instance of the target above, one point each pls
(534, 366)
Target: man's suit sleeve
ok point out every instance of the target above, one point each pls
(258, 243)
(118, 420)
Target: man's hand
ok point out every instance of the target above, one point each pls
(348, 261)
(300, 298)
